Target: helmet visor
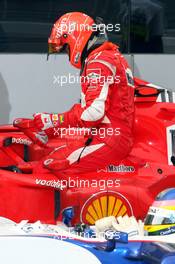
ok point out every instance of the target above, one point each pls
(54, 48)
(160, 216)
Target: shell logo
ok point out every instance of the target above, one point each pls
(105, 204)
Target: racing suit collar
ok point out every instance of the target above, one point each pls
(105, 46)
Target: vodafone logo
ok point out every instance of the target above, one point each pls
(23, 141)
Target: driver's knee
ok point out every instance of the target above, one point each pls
(55, 164)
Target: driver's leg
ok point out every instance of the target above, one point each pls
(73, 157)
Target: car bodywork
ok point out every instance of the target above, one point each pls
(48, 242)
(149, 169)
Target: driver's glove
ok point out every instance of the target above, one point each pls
(44, 121)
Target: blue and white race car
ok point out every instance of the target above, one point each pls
(38, 243)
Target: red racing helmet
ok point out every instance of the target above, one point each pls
(72, 32)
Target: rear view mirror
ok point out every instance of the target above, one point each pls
(146, 92)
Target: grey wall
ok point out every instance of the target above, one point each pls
(158, 69)
(29, 83)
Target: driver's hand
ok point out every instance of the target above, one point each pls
(43, 121)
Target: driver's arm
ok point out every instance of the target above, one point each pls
(95, 102)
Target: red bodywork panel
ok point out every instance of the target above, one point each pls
(136, 181)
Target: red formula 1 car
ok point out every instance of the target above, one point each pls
(132, 185)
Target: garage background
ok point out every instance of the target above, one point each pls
(29, 83)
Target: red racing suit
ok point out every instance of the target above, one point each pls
(107, 108)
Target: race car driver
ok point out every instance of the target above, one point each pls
(106, 98)
(160, 219)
